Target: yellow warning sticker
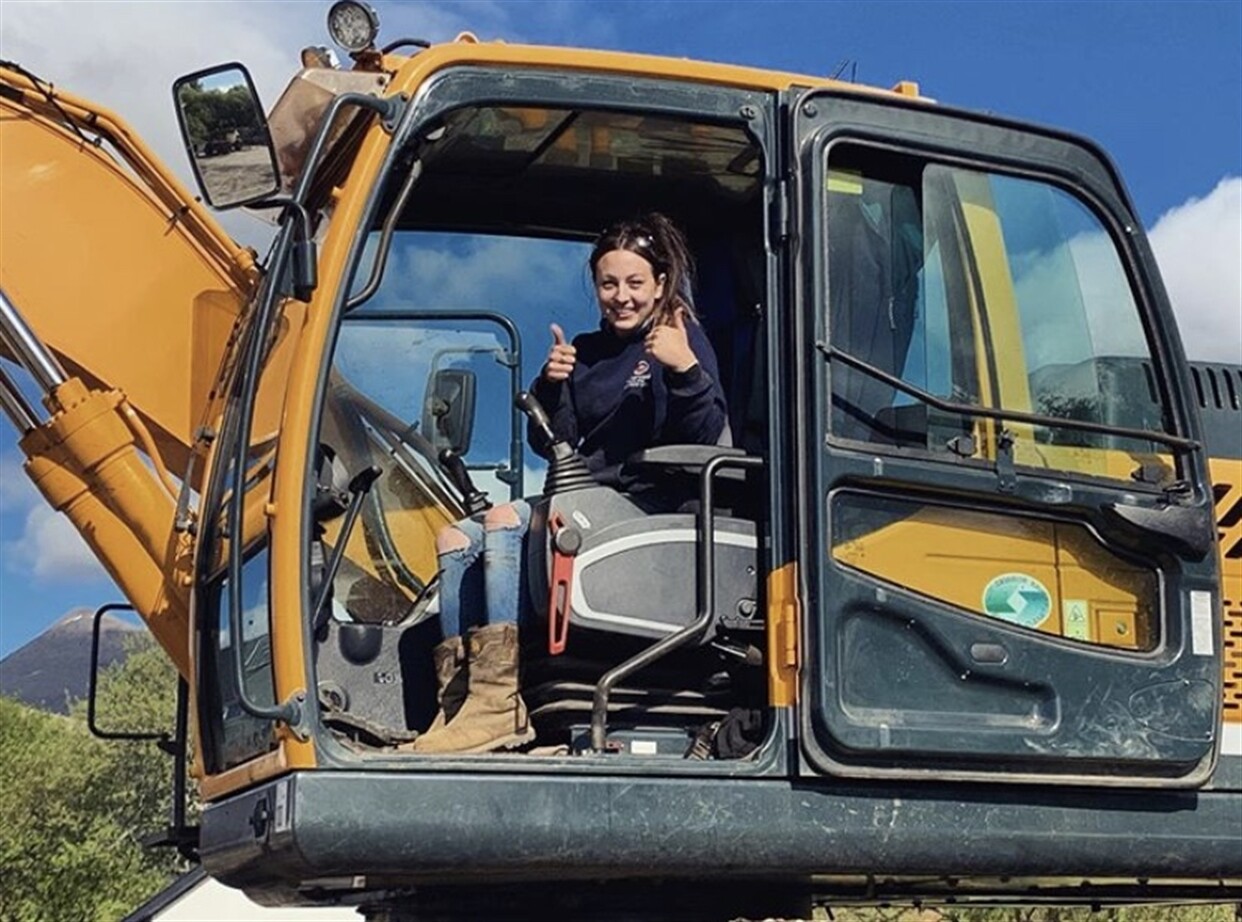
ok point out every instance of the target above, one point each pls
(1075, 623)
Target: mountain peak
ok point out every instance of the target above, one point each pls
(79, 620)
(54, 668)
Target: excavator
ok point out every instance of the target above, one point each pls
(953, 613)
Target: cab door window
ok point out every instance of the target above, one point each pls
(983, 289)
(235, 735)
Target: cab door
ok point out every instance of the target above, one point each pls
(1009, 559)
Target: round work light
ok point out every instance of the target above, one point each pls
(353, 25)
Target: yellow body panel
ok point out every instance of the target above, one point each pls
(131, 283)
(300, 412)
(953, 555)
(987, 243)
(784, 625)
(413, 71)
(1227, 480)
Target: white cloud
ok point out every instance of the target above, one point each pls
(126, 55)
(51, 550)
(497, 273)
(16, 490)
(1199, 248)
(1054, 289)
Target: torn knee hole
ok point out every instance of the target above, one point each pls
(501, 518)
(451, 539)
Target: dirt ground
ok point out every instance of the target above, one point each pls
(238, 175)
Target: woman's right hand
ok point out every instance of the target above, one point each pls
(561, 358)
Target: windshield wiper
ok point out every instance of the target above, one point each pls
(1017, 416)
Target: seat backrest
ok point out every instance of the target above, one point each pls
(730, 297)
(633, 571)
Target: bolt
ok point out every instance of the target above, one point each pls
(810, 110)
(749, 112)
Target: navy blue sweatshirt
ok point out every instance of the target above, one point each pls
(619, 400)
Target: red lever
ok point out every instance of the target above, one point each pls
(559, 591)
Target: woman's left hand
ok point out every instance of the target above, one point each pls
(669, 345)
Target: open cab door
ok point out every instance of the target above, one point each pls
(1010, 564)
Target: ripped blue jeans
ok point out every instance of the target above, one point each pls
(482, 569)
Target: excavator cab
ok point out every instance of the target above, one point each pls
(937, 344)
(952, 587)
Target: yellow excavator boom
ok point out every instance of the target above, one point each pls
(137, 259)
(135, 304)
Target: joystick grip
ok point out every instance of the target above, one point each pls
(566, 469)
(526, 402)
(453, 464)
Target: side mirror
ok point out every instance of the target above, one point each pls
(448, 410)
(160, 737)
(226, 136)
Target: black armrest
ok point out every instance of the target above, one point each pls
(686, 459)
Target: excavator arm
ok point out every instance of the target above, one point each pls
(115, 265)
(124, 295)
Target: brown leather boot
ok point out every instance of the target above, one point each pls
(449, 658)
(493, 716)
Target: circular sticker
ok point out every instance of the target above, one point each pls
(1018, 599)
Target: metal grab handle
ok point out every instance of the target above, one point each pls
(359, 487)
(705, 597)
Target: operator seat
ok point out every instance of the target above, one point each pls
(615, 573)
(630, 570)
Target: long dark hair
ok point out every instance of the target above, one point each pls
(656, 239)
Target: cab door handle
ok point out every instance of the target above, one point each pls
(1186, 530)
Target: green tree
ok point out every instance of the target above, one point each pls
(74, 808)
(208, 113)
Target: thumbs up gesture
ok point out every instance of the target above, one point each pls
(669, 345)
(561, 357)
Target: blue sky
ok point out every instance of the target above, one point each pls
(1158, 84)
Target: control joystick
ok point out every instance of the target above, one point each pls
(566, 469)
(455, 466)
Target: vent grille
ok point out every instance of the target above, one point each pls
(1217, 387)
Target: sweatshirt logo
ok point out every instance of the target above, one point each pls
(640, 377)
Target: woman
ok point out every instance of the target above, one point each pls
(647, 377)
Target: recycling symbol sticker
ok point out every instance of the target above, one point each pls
(1018, 599)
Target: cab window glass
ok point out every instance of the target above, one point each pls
(238, 736)
(1086, 355)
(442, 338)
(985, 290)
